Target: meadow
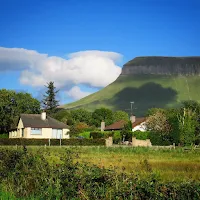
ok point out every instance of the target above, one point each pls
(99, 173)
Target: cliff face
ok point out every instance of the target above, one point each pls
(163, 65)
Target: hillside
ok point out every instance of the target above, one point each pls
(168, 81)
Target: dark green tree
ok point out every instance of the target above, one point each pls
(63, 116)
(102, 114)
(120, 115)
(12, 104)
(49, 102)
(81, 115)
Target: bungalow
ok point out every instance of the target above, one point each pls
(137, 124)
(39, 126)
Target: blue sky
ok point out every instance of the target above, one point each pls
(117, 30)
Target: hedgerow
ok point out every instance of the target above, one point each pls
(55, 142)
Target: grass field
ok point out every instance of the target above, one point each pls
(168, 165)
(162, 91)
(98, 173)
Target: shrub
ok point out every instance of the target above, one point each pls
(85, 134)
(96, 134)
(31, 176)
(4, 135)
(127, 135)
(141, 135)
(157, 139)
(107, 134)
(117, 137)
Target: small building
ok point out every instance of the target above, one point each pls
(39, 126)
(137, 124)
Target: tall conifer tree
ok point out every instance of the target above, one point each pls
(49, 102)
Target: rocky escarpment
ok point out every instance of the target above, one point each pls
(163, 65)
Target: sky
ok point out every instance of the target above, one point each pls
(82, 45)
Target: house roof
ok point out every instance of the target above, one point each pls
(120, 124)
(138, 121)
(116, 126)
(35, 121)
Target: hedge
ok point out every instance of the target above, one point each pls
(141, 135)
(54, 142)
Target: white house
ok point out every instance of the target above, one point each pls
(39, 126)
(138, 124)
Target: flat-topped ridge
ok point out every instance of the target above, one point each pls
(163, 65)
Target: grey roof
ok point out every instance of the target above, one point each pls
(35, 121)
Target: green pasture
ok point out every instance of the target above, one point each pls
(147, 91)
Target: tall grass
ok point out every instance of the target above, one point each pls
(29, 174)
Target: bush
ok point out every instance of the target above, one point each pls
(96, 134)
(108, 134)
(158, 139)
(117, 137)
(127, 135)
(54, 142)
(4, 135)
(141, 135)
(85, 134)
(26, 175)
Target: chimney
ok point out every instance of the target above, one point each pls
(102, 126)
(132, 118)
(43, 115)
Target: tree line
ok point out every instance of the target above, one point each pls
(175, 125)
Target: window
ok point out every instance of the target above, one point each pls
(36, 131)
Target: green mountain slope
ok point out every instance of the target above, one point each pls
(149, 82)
(145, 90)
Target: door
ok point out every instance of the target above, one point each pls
(57, 133)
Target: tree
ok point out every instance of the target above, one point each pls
(81, 115)
(63, 116)
(187, 126)
(158, 122)
(120, 115)
(49, 102)
(126, 132)
(102, 114)
(12, 104)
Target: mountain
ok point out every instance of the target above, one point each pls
(152, 81)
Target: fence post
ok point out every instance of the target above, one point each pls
(49, 142)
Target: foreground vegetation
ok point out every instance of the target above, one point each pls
(99, 173)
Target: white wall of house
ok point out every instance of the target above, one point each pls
(38, 133)
(141, 127)
(66, 133)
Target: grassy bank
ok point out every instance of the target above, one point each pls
(163, 91)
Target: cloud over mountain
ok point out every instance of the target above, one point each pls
(93, 68)
(76, 93)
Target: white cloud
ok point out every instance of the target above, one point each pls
(93, 68)
(76, 93)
